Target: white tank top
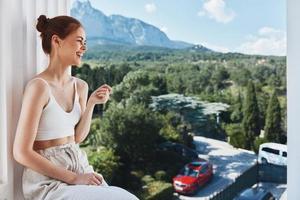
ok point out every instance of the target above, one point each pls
(56, 122)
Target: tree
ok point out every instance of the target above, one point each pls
(274, 81)
(237, 113)
(236, 136)
(138, 87)
(261, 73)
(218, 77)
(273, 129)
(250, 122)
(132, 132)
(241, 76)
(159, 81)
(262, 102)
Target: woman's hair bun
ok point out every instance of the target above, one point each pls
(42, 23)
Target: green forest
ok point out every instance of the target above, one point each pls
(162, 94)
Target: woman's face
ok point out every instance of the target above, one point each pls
(73, 47)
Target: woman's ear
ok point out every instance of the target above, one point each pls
(56, 41)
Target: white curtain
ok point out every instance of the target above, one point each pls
(21, 57)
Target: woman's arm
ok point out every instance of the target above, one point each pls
(83, 127)
(99, 96)
(35, 98)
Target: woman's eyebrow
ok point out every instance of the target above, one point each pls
(81, 38)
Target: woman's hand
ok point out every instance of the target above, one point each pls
(101, 95)
(88, 179)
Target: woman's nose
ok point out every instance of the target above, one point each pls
(84, 47)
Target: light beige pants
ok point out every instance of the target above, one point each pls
(39, 187)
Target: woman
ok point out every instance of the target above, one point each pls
(55, 117)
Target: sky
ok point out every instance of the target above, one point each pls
(246, 26)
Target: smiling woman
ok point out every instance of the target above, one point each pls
(55, 117)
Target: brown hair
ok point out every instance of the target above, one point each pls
(61, 26)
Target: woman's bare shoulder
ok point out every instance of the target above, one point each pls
(36, 87)
(81, 84)
(37, 83)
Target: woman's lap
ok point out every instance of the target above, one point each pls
(85, 192)
(39, 187)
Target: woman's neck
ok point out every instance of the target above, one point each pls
(59, 73)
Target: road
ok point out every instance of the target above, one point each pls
(228, 162)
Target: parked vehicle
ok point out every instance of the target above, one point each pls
(272, 153)
(255, 193)
(180, 149)
(193, 176)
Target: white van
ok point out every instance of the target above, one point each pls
(273, 153)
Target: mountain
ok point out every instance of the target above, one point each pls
(120, 30)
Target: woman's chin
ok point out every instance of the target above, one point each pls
(77, 62)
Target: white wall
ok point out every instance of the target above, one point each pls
(21, 57)
(293, 96)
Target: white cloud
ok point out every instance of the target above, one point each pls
(150, 8)
(268, 31)
(164, 29)
(267, 41)
(217, 10)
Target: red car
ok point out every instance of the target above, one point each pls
(193, 176)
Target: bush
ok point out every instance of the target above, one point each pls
(236, 135)
(104, 161)
(160, 175)
(170, 133)
(159, 190)
(147, 179)
(138, 173)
